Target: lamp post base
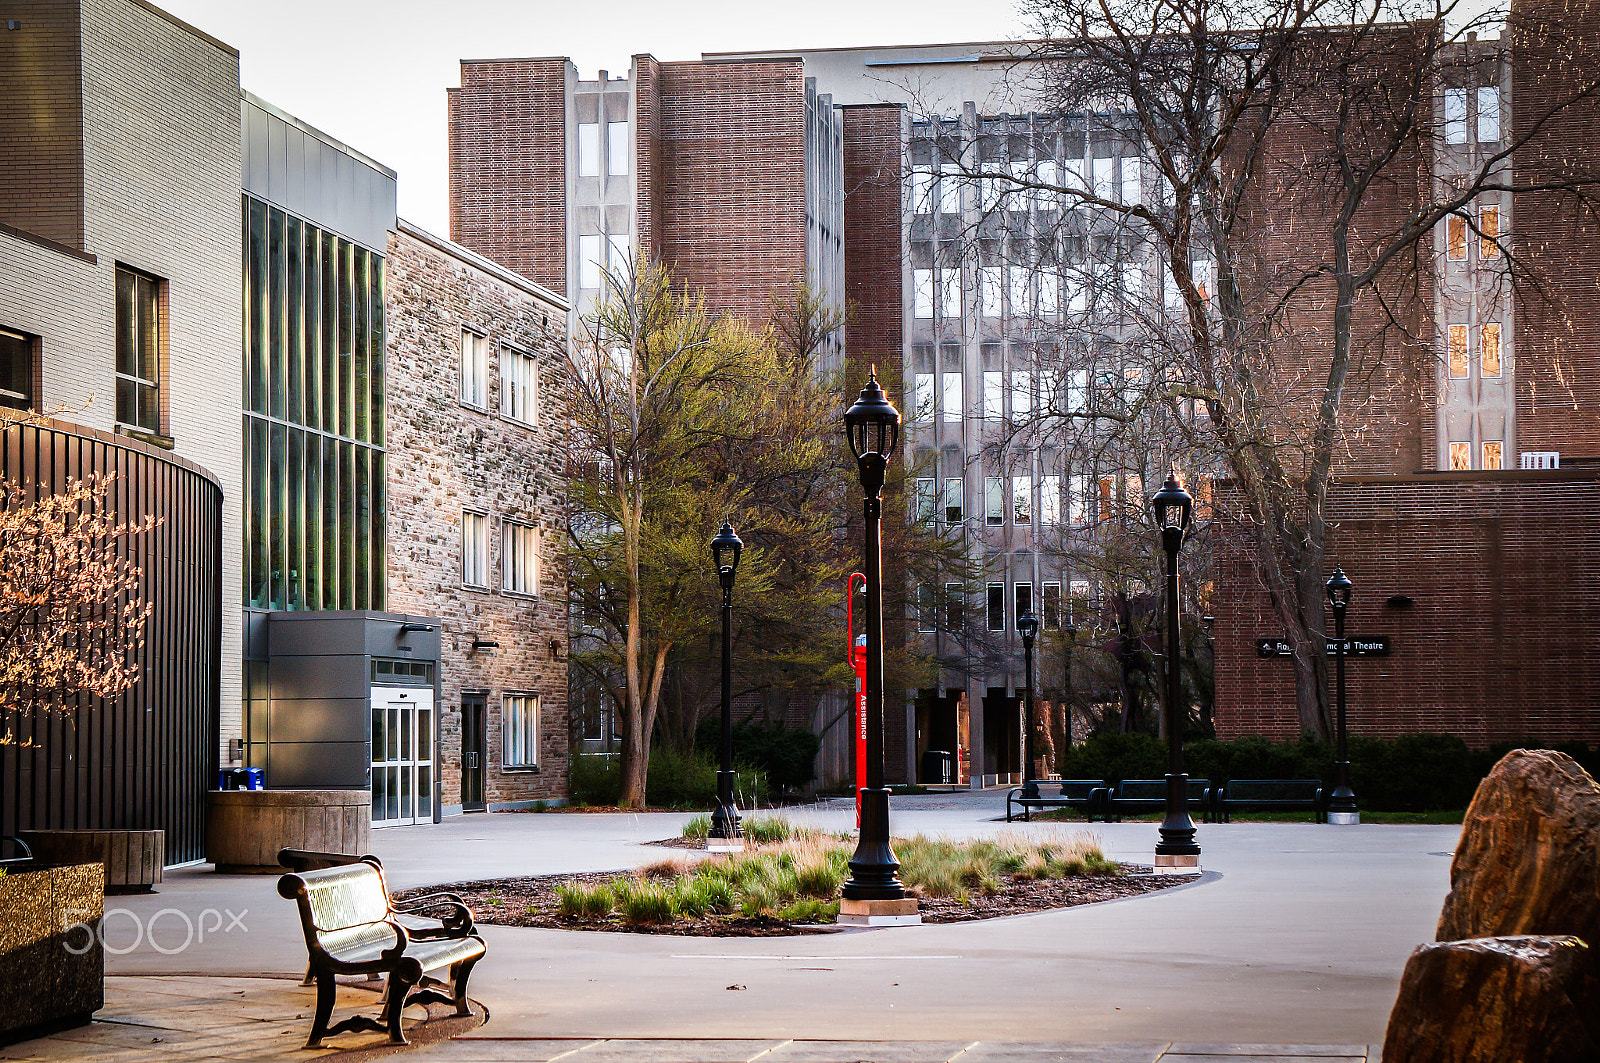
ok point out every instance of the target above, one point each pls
(1177, 864)
(726, 835)
(902, 912)
(874, 871)
(1344, 819)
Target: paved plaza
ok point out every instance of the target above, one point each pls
(1289, 947)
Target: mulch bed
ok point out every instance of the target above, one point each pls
(532, 902)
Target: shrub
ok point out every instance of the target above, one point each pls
(644, 902)
(786, 758)
(596, 778)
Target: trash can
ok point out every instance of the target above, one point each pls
(254, 779)
(938, 766)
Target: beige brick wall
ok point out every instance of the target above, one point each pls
(445, 457)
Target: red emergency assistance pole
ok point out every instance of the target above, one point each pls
(857, 646)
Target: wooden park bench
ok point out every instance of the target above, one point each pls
(1269, 795)
(1137, 797)
(1071, 793)
(352, 927)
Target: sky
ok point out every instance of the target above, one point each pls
(373, 74)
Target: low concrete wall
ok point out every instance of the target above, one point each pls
(246, 828)
(53, 976)
(133, 859)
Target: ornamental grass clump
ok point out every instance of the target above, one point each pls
(697, 827)
(584, 902)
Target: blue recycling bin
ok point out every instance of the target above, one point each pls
(241, 779)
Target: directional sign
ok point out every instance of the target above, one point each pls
(1377, 646)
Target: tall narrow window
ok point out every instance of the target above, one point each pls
(1024, 600)
(1488, 232)
(953, 404)
(16, 369)
(1460, 457)
(588, 149)
(521, 545)
(519, 385)
(923, 410)
(1051, 600)
(950, 292)
(1455, 116)
(1021, 394)
(519, 742)
(1488, 116)
(1132, 185)
(991, 286)
(474, 369)
(139, 327)
(994, 395)
(1078, 392)
(1021, 291)
(1458, 350)
(1493, 454)
(1022, 500)
(474, 549)
(1049, 500)
(589, 261)
(1455, 238)
(1108, 497)
(1049, 304)
(1489, 350)
(921, 192)
(927, 498)
(617, 148)
(922, 294)
(954, 501)
(949, 193)
(927, 612)
(953, 601)
(995, 607)
(1078, 499)
(620, 249)
(994, 501)
(1105, 178)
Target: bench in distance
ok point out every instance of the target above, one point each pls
(1080, 794)
(1270, 795)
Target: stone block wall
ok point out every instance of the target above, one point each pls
(446, 457)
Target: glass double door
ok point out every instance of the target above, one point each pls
(402, 756)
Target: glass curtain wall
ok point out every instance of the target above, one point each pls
(314, 416)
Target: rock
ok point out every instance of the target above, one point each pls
(1495, 1000)
(1529, 857)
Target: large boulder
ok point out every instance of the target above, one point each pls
(1496, 1000)
(1529, 857)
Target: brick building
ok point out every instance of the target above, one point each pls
(477, 511)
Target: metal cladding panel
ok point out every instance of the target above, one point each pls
(318, 766)
(327, 676)
(326, 719)
(144, 760)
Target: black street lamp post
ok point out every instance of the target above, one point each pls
(726, 834)
(1028, 627)
(1342, 805)
(874, 892)
(1176, 850)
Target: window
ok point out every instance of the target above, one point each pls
(1078, 499)
(1021, 289)
(139, 351)
(1132, 186)
(1458, 350)
(589, 261)
(1104, 178)
(1455, 238)
(1489, 116)
(954, 501)
(519, 719)
(474, 369)
(949, 194)
(1024, 599)
(521, 545)
(1108, 497)
(1078, 593)
(927, 498)
(621, 250)
(16, 369)
(1045, 174)
(474, 549)
(950, 281)
(953, 404)
(921, 192)
(1455, 116)
(922, 294)
(923, 410)
(1460, 457)
(1049, 295)
(1021, 394)
(1078, 392)
(519, 385)
(995, 607)
(588, 149)
(994, 387)
(1489, 232)
(927, 612)
(1049, 500)
(1052, 606)
(953, 601)
(1021, 500)
(994, 500)
(991, 286)
(1489, 350)
(617, 148)
(1493, 451)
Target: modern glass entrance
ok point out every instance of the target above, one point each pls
(402, 756)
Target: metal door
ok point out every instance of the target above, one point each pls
(402, 756)
(473, 743)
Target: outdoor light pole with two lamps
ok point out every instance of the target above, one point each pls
(1028, 627)
(1342, 808)
(1176, 852)
(874, 894)
(726, 835)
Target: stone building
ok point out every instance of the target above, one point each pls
(476, 508)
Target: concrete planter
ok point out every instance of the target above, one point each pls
(133, 859)
(246, 828)
(53, 976)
